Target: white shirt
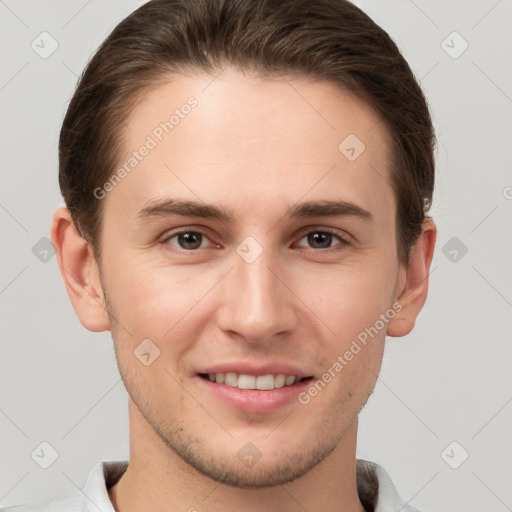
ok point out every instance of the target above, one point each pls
(372, 481)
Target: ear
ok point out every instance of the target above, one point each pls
(80, 272)
(413, 282)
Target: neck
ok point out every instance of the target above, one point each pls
(158, 479)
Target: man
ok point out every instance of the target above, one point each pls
(247, 186)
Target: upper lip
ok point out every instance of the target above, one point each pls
(246, 368)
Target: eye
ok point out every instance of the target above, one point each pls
(187, 240)
(191, 240)
(322, 239)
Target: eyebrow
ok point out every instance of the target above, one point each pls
(155, 209)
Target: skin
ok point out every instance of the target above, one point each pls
(255, 147)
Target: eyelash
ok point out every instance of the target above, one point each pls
(343, 240)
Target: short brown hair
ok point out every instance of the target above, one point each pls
(323, 39)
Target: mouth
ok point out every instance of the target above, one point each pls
(254, 387)
(254, 394)
(254, 382)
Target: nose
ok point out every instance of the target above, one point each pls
(257, 304)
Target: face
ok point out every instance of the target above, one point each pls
(246, 242)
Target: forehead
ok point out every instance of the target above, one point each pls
(235, 137)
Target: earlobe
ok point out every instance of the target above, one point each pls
(412, 291)
(80, 272)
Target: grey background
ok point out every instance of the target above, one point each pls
(447, 381)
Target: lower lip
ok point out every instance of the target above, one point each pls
(255, 401)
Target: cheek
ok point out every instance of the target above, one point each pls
(159, 303)
(350, 304)
(350, 298)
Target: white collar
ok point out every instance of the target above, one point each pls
(375, 487)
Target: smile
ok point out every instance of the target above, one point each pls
(260, 382)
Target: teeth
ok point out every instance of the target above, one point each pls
(246, 381)
(264, 382)
(231, 380)
(279, 380)
(261, 382)
(289, 380)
